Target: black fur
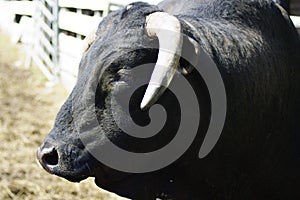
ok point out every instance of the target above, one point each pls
(256, 49)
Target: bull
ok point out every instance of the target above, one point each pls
(256, 49)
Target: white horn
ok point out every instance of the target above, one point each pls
(89, 39)
(167, 29)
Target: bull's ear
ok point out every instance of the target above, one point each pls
(189, 55)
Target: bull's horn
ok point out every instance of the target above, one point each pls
(89, 39)
(167, 29)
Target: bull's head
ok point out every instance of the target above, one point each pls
(105, 71)
(255, 59)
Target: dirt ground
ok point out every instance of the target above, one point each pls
(27, 112)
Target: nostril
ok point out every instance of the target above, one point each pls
(50, 157)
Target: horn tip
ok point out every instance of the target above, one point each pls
(144, 104)
(150, 96)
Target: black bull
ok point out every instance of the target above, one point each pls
(257, 51)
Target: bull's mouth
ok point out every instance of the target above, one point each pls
(122, 186)
(115, 186)
(104, 178)
(132, 186)
(76, 175)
